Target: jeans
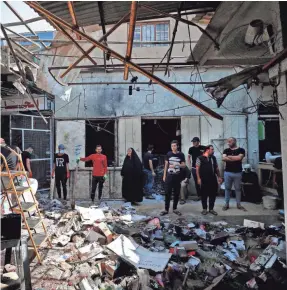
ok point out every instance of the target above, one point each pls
(61, 179)
(183, 190)
(208, 190)
(197, 187)
(149, 182)
(172, 183)
(229, 179)
(97, 180)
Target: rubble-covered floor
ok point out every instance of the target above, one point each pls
(118, 246)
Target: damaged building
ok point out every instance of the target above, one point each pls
(126, 75)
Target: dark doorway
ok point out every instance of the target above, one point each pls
(101, 132)
(271, 143)
(160, 132)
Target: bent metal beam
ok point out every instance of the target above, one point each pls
(103, 38)
(116, 55)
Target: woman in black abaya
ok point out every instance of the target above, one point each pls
(132, 173)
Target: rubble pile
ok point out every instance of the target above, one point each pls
(106, 248)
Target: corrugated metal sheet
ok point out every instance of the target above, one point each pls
(87, 12)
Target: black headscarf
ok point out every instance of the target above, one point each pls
(132, 164)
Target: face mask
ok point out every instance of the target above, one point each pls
(61, 151)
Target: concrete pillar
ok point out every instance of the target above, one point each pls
(282, 98)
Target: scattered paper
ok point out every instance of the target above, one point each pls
(253, 224)
(138, 255)
(91, 215)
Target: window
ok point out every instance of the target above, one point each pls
(151, 31)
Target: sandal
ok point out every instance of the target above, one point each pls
(239, 206)
(163, 213)
(177, 212)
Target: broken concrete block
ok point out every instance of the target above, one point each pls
(54, 273)
(65, 266)
(66, 275)
(10, 268)
(63, 240)
(106, 231)
(89, 251)
(96, 237)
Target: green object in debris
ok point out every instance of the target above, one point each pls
(261, 130)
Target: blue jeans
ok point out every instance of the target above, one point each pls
(149, 182)
(229, 179)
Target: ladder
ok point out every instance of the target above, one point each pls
(31, 216)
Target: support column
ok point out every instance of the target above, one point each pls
(282, 98)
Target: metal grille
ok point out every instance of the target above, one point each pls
(40, 141)
(19, 121)
(16, 138)
(39, 123)
(33, 131)
(41, 172)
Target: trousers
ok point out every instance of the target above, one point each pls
(95, 181)
(172, 183)
(183, 190)
(208, 190)
(229, 179)
(149, 182)
(61, 179)
(197, 187)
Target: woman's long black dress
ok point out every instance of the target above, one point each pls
(132, 173)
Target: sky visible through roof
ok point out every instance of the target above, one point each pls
(7, 16)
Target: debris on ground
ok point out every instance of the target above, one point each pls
(100, 247)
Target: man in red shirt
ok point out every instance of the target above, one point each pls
(100, 169)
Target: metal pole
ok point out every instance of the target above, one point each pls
(22, 21)
(74, 41)
(136, 67)
(104, 37)
(137, 83)
(172, 40)
(132, 26)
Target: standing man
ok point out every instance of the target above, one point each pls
(233, 156)
(61, 170)
(26, 156)
(174, 162)
(149, 171)
(193, 153)
(100, 169)
(208, 177)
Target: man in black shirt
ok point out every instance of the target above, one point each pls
(61, 170)
(208, 177)
(193, 153)
(233, 156)
(149, 171)
(172, 176)
(26, 156)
